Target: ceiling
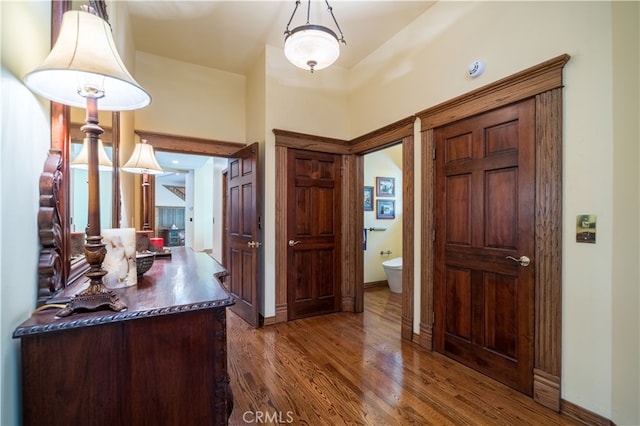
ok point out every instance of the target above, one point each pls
(231, 35)
(176, 165)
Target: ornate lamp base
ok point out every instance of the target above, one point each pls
(97, 296)
(89, 300)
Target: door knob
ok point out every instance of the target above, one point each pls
(293, 243)
(522, 260)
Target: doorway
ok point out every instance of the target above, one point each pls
(382, 232)
(187, 201)
(192, 153)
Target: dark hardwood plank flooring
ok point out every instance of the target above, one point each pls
(353, 369)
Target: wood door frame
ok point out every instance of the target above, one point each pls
(398, 132)
(352, 288)
(544, 83)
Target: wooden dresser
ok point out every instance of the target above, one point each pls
(163, 361)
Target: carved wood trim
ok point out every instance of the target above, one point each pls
(357, 194)
(522, 85)
(51, 276)
(408, 234)
(380, 138)
(190, 145)
(282, 313)
(85, 321)
(308, 142)
(544, 82)
(60, 117)
(349, 236)
(548, 246)
(426, 244)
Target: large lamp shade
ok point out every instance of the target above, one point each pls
(85, 56)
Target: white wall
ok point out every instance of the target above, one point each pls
(203, 207)
(385, 163)
(24, 142)
(219, 164)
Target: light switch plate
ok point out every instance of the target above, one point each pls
(586, 228)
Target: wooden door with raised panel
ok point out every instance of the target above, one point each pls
(313, 255)
(484, 241)
(242, 233)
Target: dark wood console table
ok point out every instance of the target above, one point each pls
(163, 361)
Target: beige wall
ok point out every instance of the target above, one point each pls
(626, 210)
(422, 66)
(202, 102)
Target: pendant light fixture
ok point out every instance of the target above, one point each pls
(310, 46)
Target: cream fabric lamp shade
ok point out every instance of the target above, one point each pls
(82, 159)
(85, 56)
(143, 160)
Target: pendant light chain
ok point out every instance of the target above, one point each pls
(287, 31)
(341, 40)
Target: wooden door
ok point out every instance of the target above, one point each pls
(242, 234)
(313, 256)
(483, 296)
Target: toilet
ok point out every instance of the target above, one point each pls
(393, 271)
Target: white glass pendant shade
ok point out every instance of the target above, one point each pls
(312, 47)
(84, 62)
(143, 160)
(82, 160)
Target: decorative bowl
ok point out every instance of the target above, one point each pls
(144, 262)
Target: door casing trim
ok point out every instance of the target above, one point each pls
(544, 83)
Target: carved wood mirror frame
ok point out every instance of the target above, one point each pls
(55, 267)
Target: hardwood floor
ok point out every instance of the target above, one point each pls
(353, 369)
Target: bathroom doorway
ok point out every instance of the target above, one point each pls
(383, 209)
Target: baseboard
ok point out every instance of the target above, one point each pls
(281, 313)
(583, 415)
(376, 284)
(426, 337)
(546, 389)
(267, 320)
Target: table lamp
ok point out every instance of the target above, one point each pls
(82, 68)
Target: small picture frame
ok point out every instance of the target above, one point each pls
(368, 198)
(385, 209)
(385, 187)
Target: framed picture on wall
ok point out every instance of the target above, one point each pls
(385, 209)
(368, 198)
(385, 187)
